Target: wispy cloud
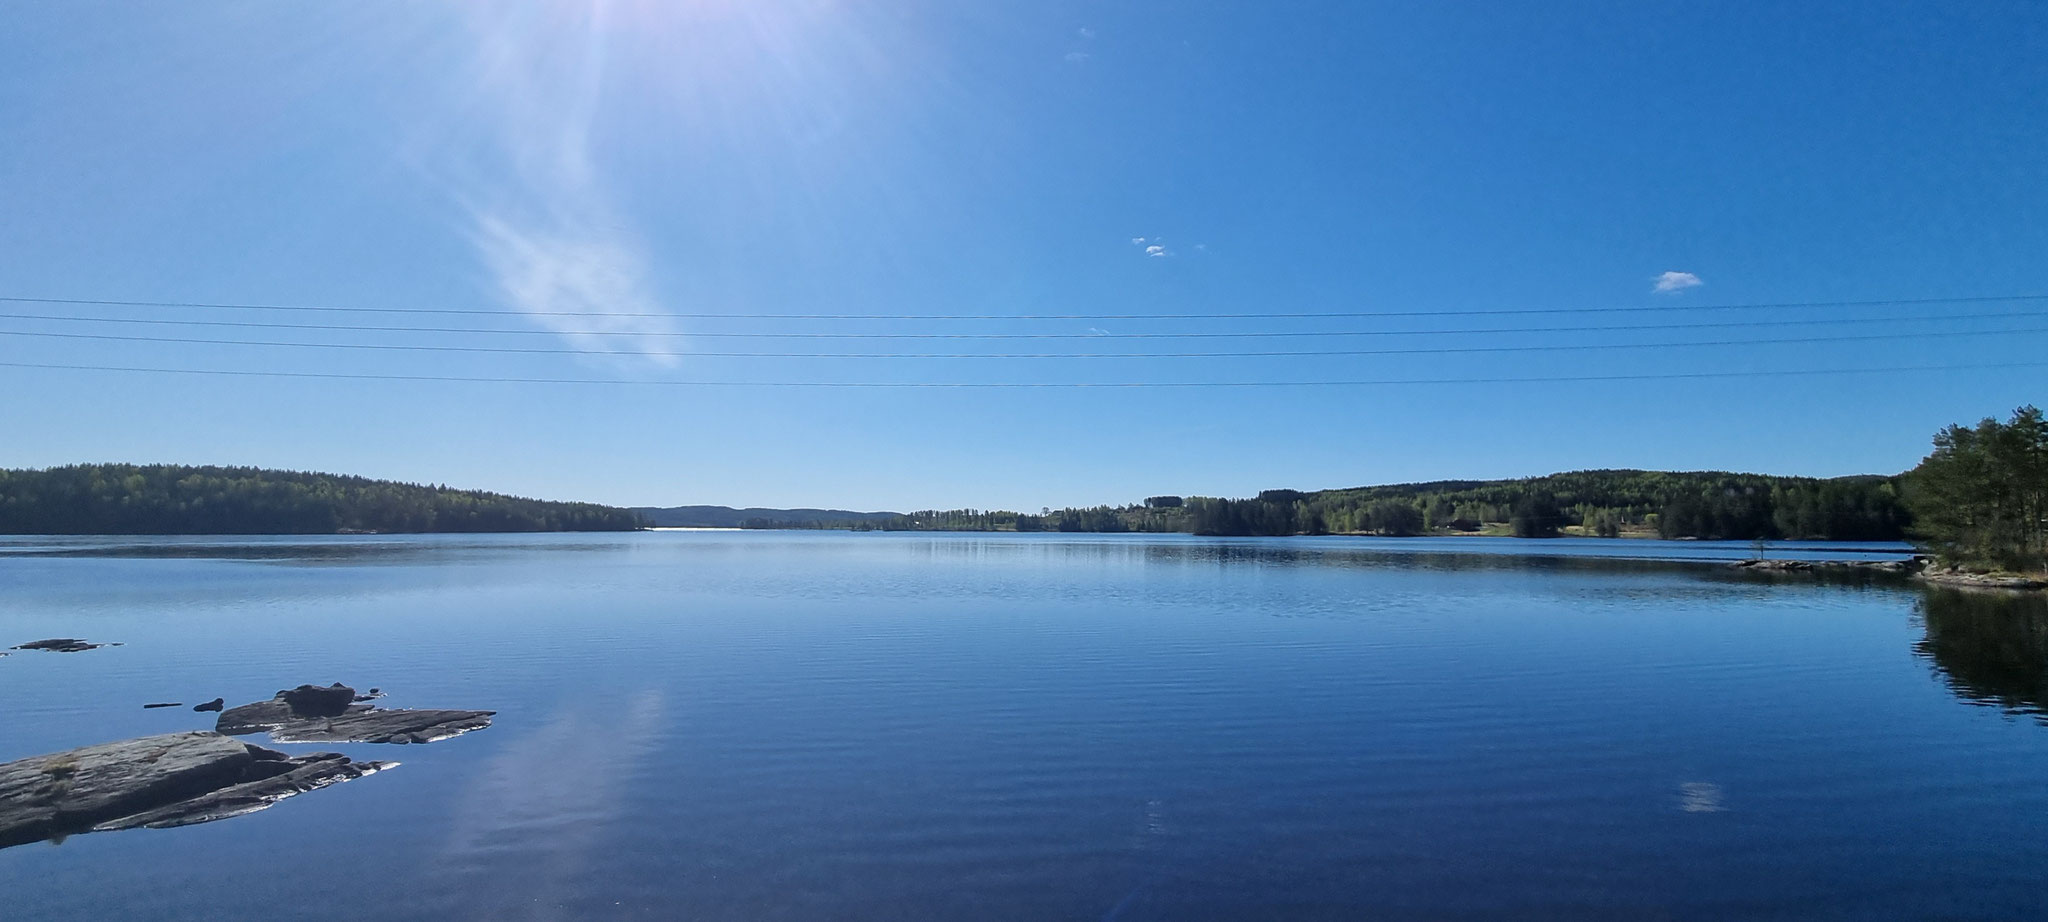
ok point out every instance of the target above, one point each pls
(1155, 250)
(1671, 282)
(546, 229)
(1153, 246)
(1077, 53)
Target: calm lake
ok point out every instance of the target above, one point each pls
(754, 726)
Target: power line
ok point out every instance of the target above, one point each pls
(1260, 334)
(1367, 382)
(1293, 315)
(1458, 350)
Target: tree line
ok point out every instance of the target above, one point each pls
(1608, 503)
(1979, 499)
(1982, 494)
(129, 499)
(1604, 503)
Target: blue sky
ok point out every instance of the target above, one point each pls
(762, 157)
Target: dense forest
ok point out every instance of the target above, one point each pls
(1980, 499)
(1703, 504)
(128, 499)
(1982, 495)
(752, 517)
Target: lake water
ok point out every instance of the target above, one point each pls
(868, 726)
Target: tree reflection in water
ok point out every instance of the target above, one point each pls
(1990, 647)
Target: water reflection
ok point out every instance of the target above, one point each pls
(1991, 648)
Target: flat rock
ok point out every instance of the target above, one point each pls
(264, 716)
(1837, 567)
(175, 778)
(396, 725)
(331, 714)
(1964, 579)
(292, 777)
(63, 645)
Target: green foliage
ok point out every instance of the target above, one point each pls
(1604, 523)
(1982, 496)
(127, 499)
(1696, 504)
(1606, 503)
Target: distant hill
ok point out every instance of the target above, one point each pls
(168, 499)
(728, 517)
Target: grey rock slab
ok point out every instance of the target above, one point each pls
(172, 779)
(69, 791)
(269, 715)
(398, 725)
(333, 714)
(305, 773)
(63, 645)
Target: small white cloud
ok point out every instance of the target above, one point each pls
(1087, 33)
(1677, 281)
(1155, 250)
(1076, 57)
(1140, 241)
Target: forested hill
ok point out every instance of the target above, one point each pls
(128, 499)
(1695, 504)
(1674, 504)
(728, 517)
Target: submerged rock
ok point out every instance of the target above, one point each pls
(63, 645)
(334, 714)
(169, 780)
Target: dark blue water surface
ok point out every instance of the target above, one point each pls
(864, 726)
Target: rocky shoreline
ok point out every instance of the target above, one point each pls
(173, 779)
(1920, 568)
(178, 779)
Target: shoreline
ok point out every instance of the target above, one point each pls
(1920, 569)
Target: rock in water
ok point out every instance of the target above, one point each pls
(62, 645)
(312, 714)
(164, 704)
(275, 781)
(273, 714)
(314, 701)
(398, 725)
(214, 705)
(171, 779)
